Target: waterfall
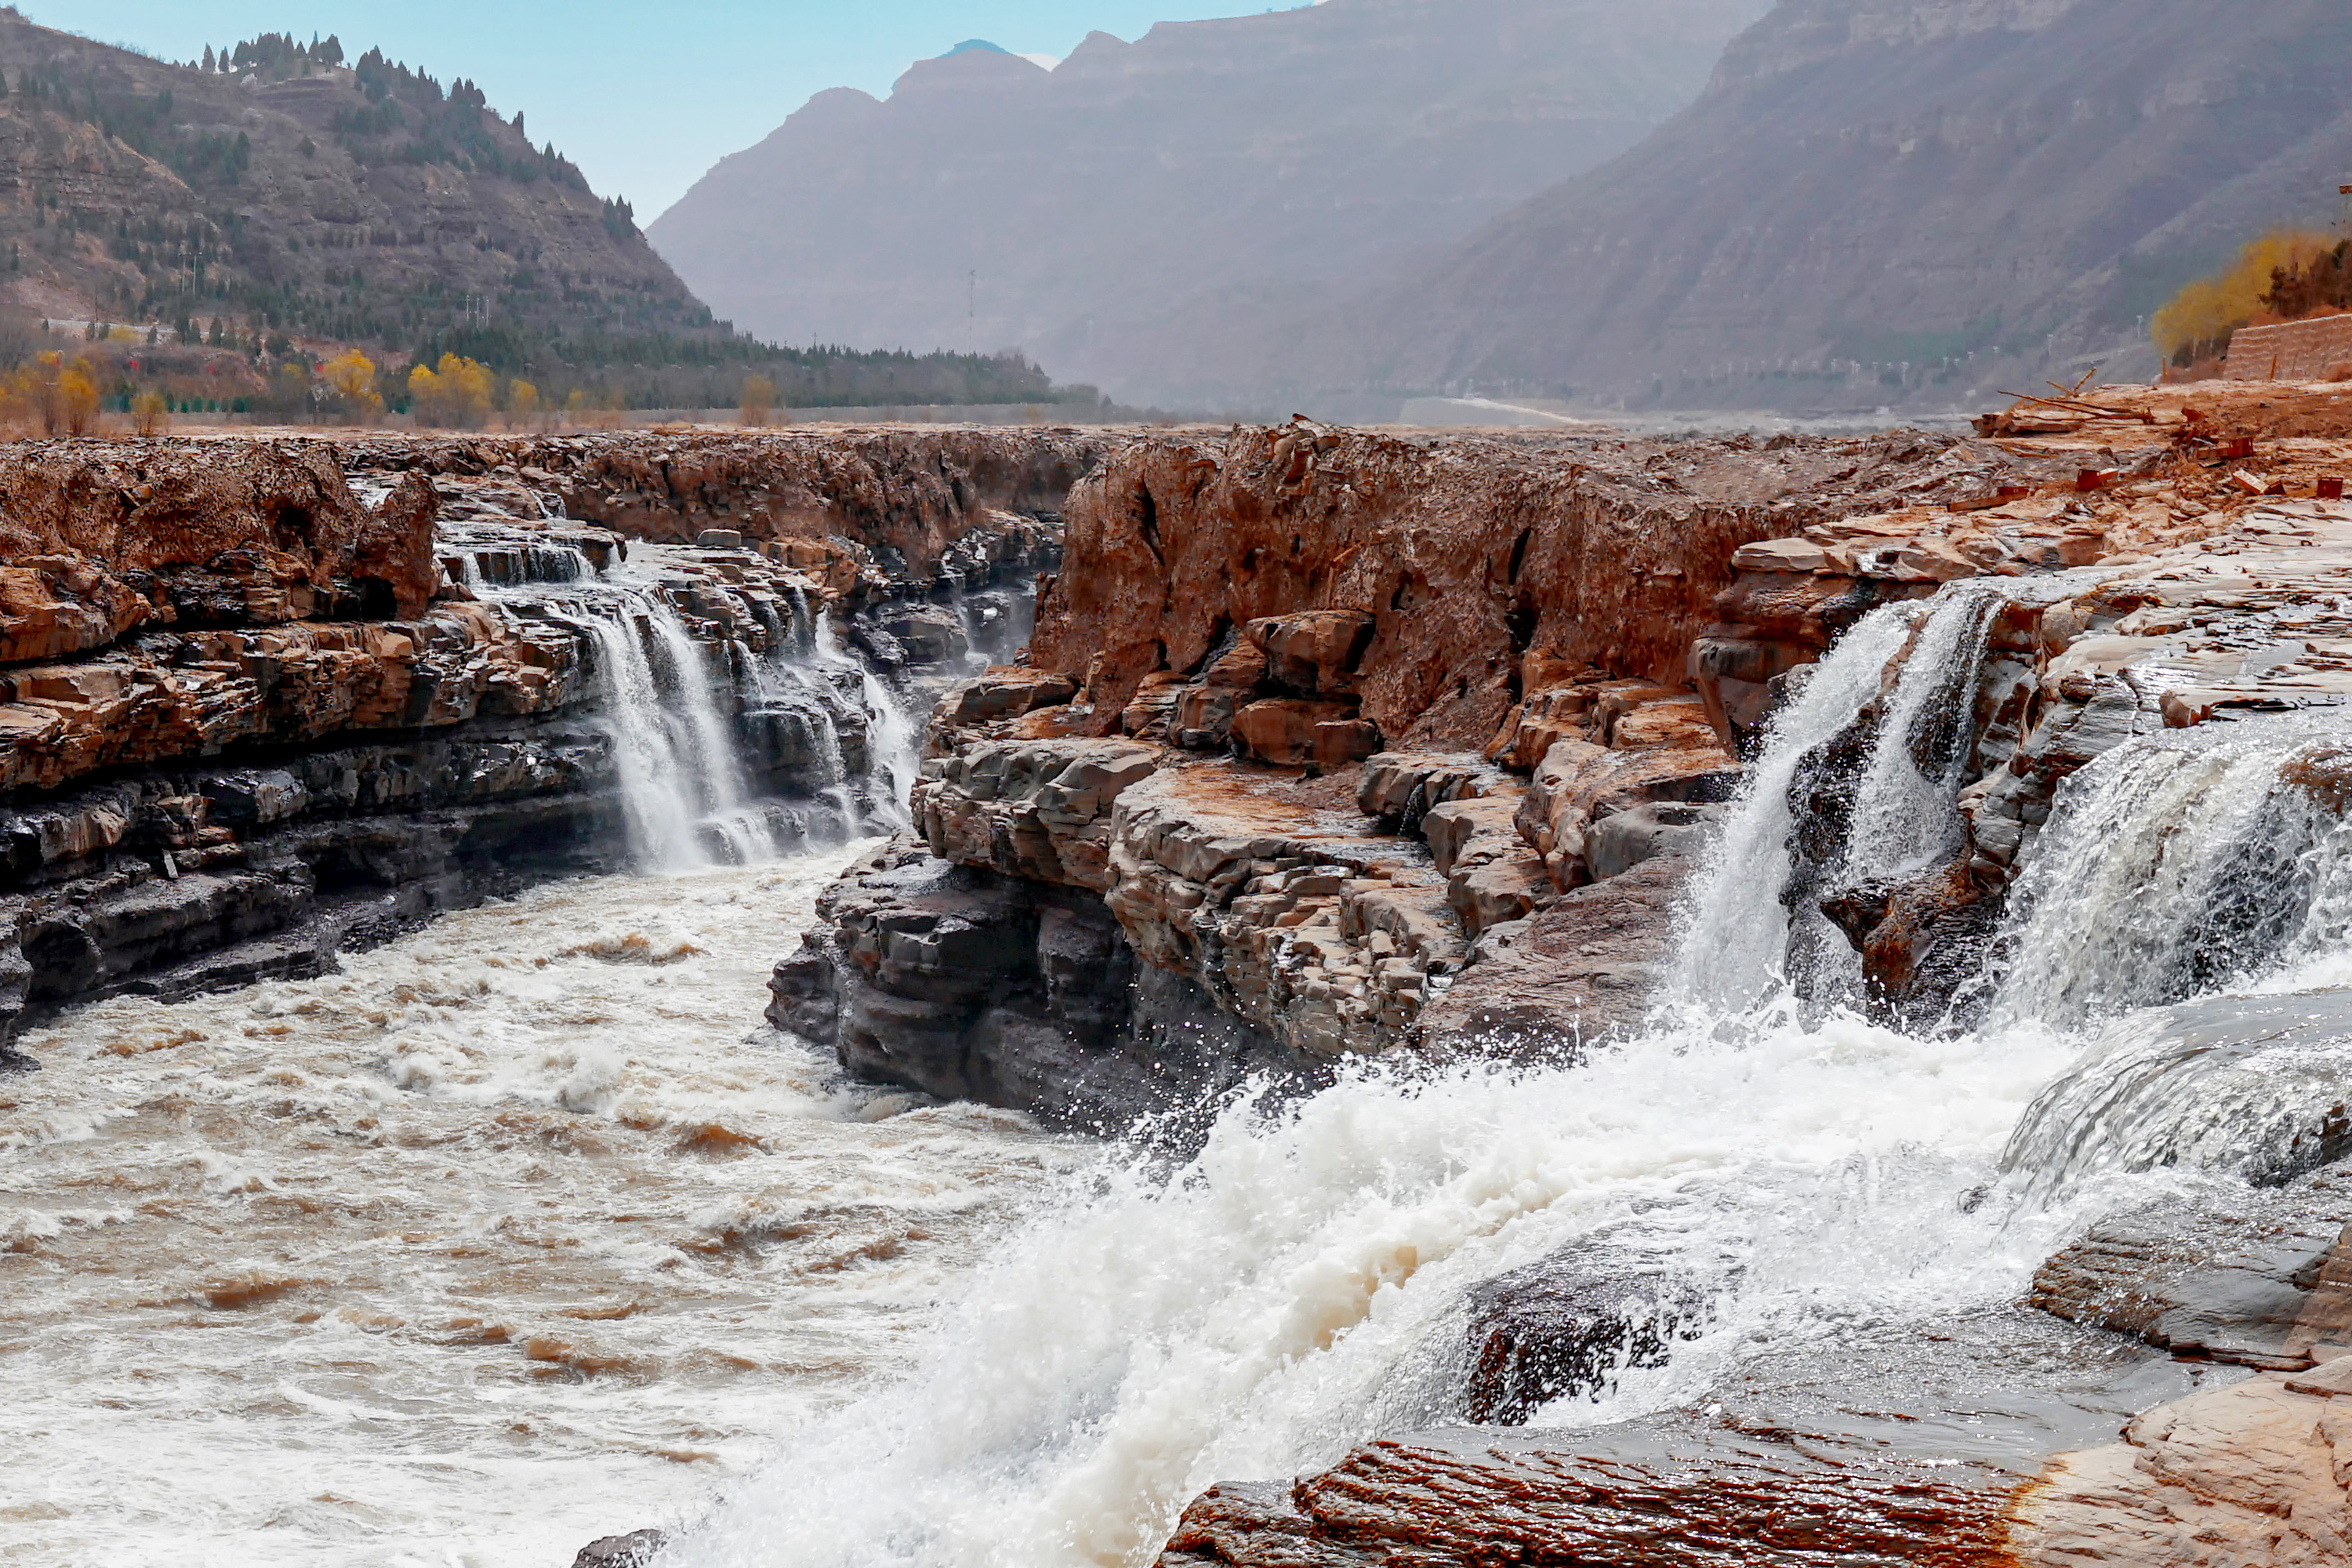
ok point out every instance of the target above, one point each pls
(896, 742)
(1735, 948)
(654, 779)
(791, 681)
(2195, 889)
(1882, 765)
(712, 754)
(1298, 1286)
(676, 757)
(2185, 863)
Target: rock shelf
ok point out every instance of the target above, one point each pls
(263, 700)
(1334, 743)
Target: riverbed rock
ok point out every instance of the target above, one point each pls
(2265, 1280)
(970, 985)
(1039, 809)
(1896, 1448)
(639, 1548)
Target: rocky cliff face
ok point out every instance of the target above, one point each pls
(1137, 214)
(1331, 745)
(1362, 744)
(1877, 200)
(259, 701)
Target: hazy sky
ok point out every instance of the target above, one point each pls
(642, 96)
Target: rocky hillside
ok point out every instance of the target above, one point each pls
(1882, 198)
(291, 201)
(1137, 216)
(363, 201)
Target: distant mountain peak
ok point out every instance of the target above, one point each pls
(971, 45)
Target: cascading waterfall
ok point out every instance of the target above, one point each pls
(1298, 1287)
(2197, 892)
(1745, 944)
(686, 794)
(655, 780)
(2186, 863)
(895, 743)
(746, 833)
(1735, 956)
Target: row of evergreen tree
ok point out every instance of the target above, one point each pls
(275, 56)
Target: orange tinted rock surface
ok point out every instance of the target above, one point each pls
(1466, 553)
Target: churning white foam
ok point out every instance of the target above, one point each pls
(503, 1238)
(1298, 1285)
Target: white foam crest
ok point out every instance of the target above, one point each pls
(1298, 1286)
(2183, 864)
(1733, 953)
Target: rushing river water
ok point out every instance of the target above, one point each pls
(506, 1237)
(519, 1232)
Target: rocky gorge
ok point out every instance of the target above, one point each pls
(267, 700)
(1666, 1000)
(1336, 747)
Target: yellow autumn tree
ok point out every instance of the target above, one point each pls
(350, 382)
(2199, 319)
(522, 403)
(759, 399)
(456, 393)
(77, 399)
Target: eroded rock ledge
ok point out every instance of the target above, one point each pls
(1387, 747)
(1370, 745)
(260, 701)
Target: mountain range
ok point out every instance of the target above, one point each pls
(1883, 200)
(1165, 203)
(1831, 206)
(282, 198)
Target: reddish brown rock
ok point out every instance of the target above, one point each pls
(1466, 555)
(2256, 1476)
(1315, 653)
(951, 502)
(100, 538)
(1667, 1499)
(1580, 785)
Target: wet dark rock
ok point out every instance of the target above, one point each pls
(635, 1549)
(920, 633)
(2259, 1280)
(973, 986)
(1569, 1325)
(1923, 941)
(171, 883)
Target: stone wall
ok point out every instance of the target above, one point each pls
(2292, 350)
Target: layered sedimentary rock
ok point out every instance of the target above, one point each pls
(262, 701)
(1887, 1448)
(2174, 568)
(1341, 728)
(948, 506)
(2183, 586)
